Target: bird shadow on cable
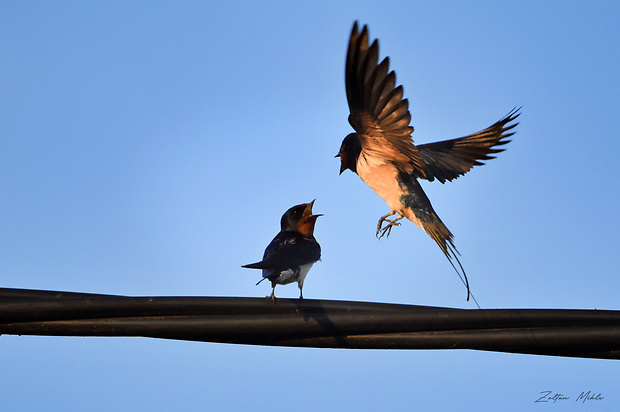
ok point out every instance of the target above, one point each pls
(315, 311)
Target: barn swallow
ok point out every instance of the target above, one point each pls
(293, 251)
(381, 151)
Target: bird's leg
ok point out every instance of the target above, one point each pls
(301, 293)
(381, 231)
(273, 294)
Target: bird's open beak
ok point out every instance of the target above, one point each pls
(308, 210)
(307, 221)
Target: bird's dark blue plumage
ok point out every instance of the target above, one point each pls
(291, 254)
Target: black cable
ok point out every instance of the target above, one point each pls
(312, 323)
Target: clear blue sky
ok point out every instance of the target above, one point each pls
(150, 148)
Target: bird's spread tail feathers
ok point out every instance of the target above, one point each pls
(444, 238)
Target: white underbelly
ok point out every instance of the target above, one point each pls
(289, 276)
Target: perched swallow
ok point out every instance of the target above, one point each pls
(293, 251)
(382, 152)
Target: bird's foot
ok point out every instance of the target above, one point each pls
(387, 229)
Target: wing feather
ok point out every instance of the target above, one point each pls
(379, 113)
(449, 159)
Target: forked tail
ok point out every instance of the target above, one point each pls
(444, 238)
(419, 210)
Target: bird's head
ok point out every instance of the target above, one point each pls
(349, 152)
(300, 219)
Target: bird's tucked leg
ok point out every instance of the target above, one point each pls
(381, 231)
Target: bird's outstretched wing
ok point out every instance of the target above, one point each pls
(449, 159)
(379, 114)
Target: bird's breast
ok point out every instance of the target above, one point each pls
(383, 179)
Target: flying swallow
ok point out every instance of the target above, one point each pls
(293, 251)
(381, 151)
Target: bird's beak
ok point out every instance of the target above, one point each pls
(342, 162)
(306, 223)
(308, 209)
